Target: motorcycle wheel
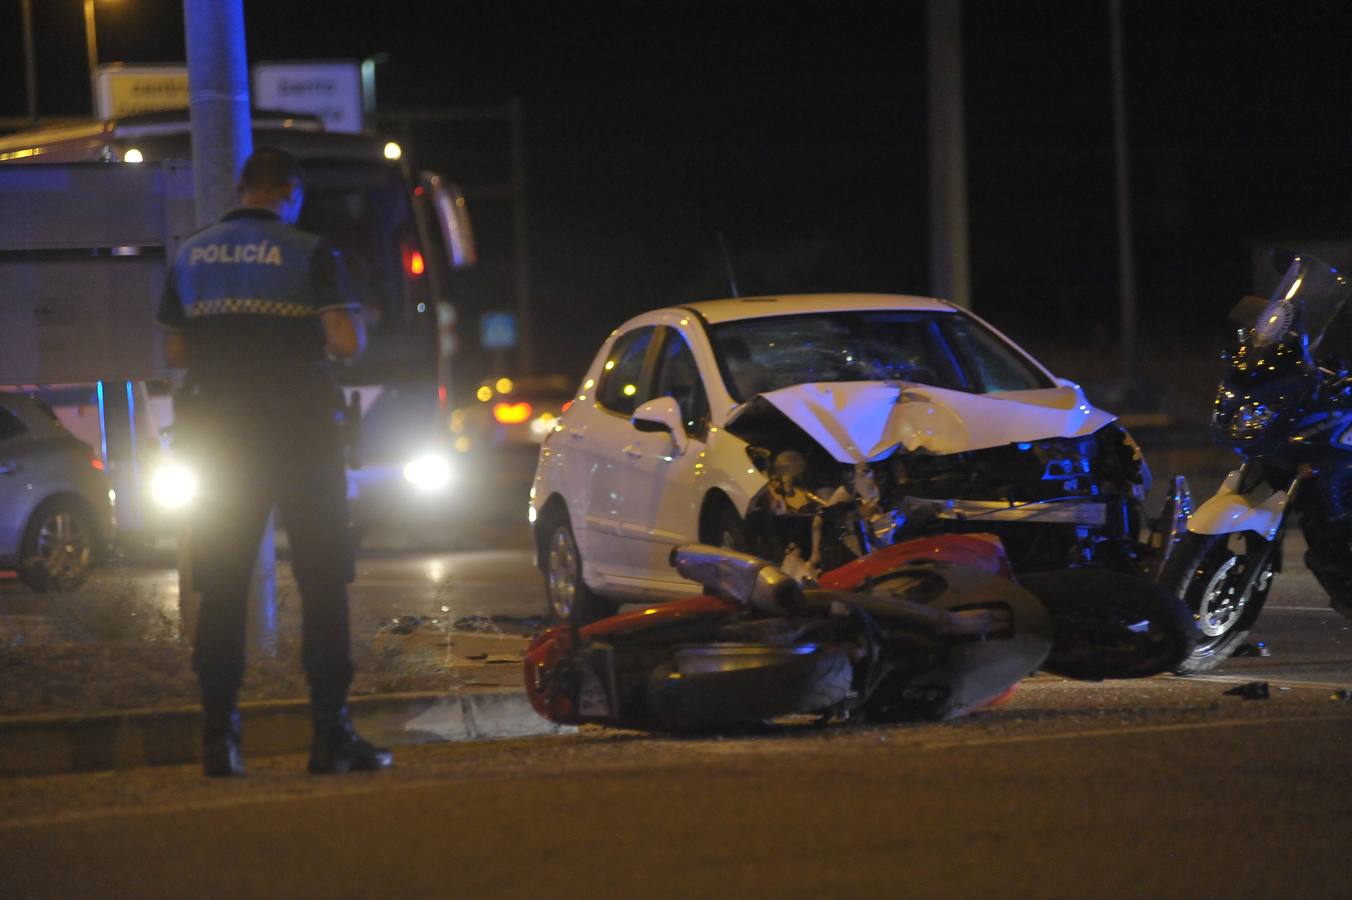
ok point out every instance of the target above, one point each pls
(1208, 574)
(1108, 624)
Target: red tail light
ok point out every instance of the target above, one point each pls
(414, 263)
(96, 463)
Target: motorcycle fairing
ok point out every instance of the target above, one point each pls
(865, 421)
(982, 552)
(1229, 512)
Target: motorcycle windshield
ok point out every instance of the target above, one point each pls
(1306, 300)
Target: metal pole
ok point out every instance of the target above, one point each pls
(92, 48)
(1126, 261)
(30, 69)
(218, 102)
(525, 345)
(222, 138)
(949, 251)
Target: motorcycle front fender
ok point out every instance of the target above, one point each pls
(1230, 512)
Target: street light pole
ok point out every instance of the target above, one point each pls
(950, 253)
(30, 70)
(1126, 255)
(92, 46)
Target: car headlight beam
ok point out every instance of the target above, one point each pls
(428, 472)
(173, 486)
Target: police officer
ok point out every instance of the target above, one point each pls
(252, 308)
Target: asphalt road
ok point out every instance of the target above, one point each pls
(1160, 788)
(1164, 787)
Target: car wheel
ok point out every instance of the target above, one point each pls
(569, 598)
(58, 547)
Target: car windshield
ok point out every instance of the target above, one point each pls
(943, 349)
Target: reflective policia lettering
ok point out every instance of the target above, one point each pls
(264, 253)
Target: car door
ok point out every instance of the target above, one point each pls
(663, 489)
(15, 487)
(599, 442)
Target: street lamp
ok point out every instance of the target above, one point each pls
(92, 46)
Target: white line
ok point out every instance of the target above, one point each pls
(1117, 732)
(1273, 682)
(1318, 609)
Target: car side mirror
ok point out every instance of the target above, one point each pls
(662, 414)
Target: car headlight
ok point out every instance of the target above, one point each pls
(173, 486)
(1250, 420)
(542, 425)
(429, 472)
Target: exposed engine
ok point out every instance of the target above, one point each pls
(1054, 502)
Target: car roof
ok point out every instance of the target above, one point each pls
(734, 309)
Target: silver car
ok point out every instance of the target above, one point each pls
(56, 506)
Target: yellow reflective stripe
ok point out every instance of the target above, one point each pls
(234, 306)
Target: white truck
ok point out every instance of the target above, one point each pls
(90, 213)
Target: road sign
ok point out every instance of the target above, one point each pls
(497, 330)
(330, 90)
(129, 90)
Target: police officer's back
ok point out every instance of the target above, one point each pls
(253, 307)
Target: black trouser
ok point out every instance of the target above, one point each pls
(250, 457)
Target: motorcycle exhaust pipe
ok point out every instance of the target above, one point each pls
(749, 580)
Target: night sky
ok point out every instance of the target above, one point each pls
(798, 131)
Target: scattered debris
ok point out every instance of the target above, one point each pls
(479, 623)
(1253, 690)
(1342, 696)
(403, 625)
(1258, 648)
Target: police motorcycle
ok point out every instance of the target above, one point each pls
(1290, 419)
(925, 629)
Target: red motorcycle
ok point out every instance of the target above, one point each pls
(925, 629)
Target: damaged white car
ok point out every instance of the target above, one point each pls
(811, 430)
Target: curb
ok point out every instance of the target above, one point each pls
(60, 744)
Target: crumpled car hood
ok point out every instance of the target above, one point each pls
(864, 421)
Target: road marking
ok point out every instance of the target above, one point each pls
(1318, 609)
(1273, 682)
(1114, 732)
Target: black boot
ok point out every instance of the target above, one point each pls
(337, 747)
(221, 755)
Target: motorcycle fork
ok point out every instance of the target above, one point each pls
(1268, 549)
